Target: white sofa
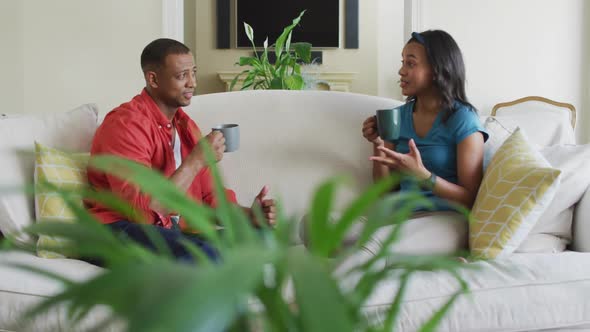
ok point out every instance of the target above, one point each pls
(292, 141)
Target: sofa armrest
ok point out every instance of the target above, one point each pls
(581, 224)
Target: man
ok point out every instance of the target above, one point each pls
(152, 129)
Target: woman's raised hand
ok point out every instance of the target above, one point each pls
(410, 162)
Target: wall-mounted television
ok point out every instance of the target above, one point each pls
(319, 25)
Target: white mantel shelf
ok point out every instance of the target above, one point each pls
(336, 81)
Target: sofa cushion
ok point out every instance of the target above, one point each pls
(425, 233)
(542, 127)
(65, 171)
(553, 230)
(292, 141)
(543, 123)
(71, 131)
(581, 227)
(20, 290)
(523, 292)
(499, 129)
(516, 188)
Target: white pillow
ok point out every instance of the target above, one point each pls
(543, 126)
(499, 130)
(70, 131)
(553, 230)
(581, 227)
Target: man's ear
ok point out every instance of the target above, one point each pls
(151, 79)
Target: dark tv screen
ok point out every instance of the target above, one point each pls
(318, 26)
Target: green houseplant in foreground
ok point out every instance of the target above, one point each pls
(285, 73)
(245, 291)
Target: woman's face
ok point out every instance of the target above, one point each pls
(416, 75)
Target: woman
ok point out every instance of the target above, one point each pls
(441, 138)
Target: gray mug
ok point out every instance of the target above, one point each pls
(389, 124)
(231, 132)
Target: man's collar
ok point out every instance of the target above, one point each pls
(156, 112)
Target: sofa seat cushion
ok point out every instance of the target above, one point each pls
(20, 290)
(523, 292)
(15, 280)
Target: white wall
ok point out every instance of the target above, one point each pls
(63, 53)
(11, 56)
(518, 48)
(78, 51)
(390, 41)
(365, 61)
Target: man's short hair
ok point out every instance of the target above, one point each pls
(155, 53)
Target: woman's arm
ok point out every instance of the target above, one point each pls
(379, 170)
(469, 173)
(469, 169)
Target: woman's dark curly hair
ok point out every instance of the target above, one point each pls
(448, 68)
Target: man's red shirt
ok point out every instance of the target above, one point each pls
(139, 131)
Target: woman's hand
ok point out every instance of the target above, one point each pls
(370, 131)
(408, 163)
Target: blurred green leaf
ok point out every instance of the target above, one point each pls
(319, 219)
(310, 278)
(293, 289)
(157, 185)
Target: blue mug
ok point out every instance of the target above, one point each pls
(389, 124)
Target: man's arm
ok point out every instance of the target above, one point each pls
(192, 165)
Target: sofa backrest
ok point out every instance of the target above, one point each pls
(292, 140)
(70, 131)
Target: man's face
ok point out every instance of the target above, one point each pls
(176, 80)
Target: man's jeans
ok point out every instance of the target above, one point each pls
(171, 237)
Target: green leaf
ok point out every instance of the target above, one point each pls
(318, 222)
(296, 69)
(248, 61)
(285, 34)
(303, 51)
(177, 290)
(294, 82)
(216, 308)
(357, 209)
(397, 303)
(155, 184)
(327, 312)
(235, 80)
(435, 320)
(384, 213)
(288, 44)
(276, 84)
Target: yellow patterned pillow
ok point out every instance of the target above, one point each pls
(517, 187)
(63, 170)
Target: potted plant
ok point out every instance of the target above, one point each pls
(285, 73)
(150, 291)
